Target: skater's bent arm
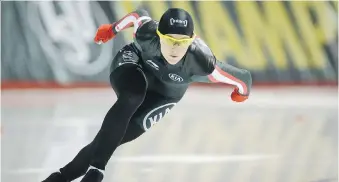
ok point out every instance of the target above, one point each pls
(225, 73)
(134, 19)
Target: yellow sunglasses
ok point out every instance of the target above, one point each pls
(173, 41)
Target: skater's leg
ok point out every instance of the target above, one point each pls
(131, 87)
(79, 165)
(130, 96)
(129, 84)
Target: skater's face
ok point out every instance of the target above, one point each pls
(174, 46)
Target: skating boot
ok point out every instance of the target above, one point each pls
(55, 177)
(93, 175)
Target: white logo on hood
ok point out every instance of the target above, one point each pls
(178, 21)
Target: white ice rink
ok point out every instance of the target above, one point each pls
(281, 134)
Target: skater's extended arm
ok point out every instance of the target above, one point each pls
(134, 19)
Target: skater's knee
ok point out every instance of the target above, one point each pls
(130, 85)
(129, 80)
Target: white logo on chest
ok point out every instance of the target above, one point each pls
(175, 77)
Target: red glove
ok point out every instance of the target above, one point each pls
(104, 33)
(237, 97)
